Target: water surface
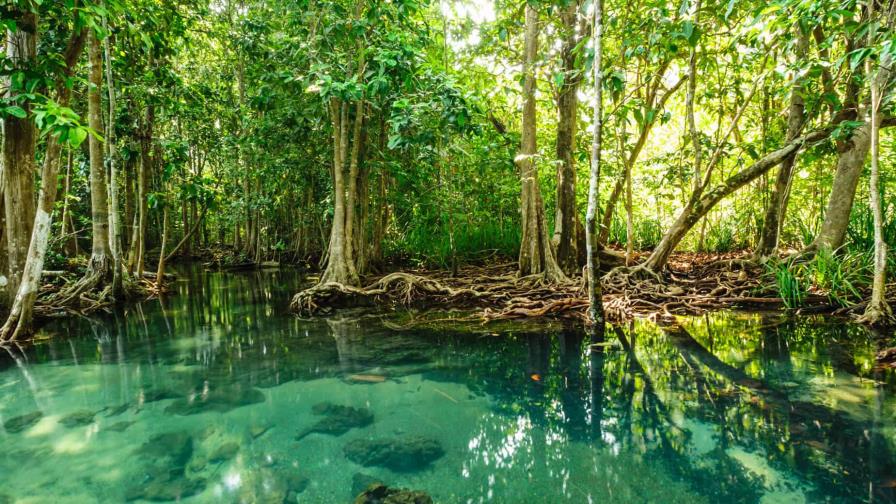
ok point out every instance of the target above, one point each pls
(216, 394)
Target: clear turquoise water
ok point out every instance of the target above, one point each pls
(209, 396)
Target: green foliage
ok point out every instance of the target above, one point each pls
(840, 276)
(788, 280)
(472, 243)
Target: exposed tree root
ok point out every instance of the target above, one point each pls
(887, 358)
(496, 293)
(99, 272)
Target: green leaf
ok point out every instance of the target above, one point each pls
(16, 111)
(76, 136)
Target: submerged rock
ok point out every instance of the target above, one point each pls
(407, 454)
(175, 448)
(277, 485)
(22, 422)
(220, 401)
(378, 493)
(78, 419)
(165, 478)
(338, 419)
(224, 452)
(361, 482)
(162, 485)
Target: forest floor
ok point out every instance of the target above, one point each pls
(693, 284)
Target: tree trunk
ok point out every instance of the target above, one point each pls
(352, 231)
(878, 311)
(99, 267)
(115, 243)
(567, 107)
(777, 205)
(595, 294)
(19, 322)
(850, 164)
(99, 264)
(138, 239)
(160, 270)
(68, 229)
(339, 269)
(536, 252)
(19, 139)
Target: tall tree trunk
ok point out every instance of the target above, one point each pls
(160, 270)
(115, 243)
(352, 231)
(99, 267)
(138, 239)
(339, 269)
(567, 107)
(777, 205)
(536, 252)
(20, 318)
(68, 228)
(595, 294)
(878, 311)
(19, 138)
(99, 263)
(850, 164)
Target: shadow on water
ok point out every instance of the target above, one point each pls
(243, 398)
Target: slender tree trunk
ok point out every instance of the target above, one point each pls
(19, 138)
(567, 107)
(99, 268)
(536, 252)
(160, 270)
(115, 242)
(19, 322)
(595, 294)
(629, 219)
(689, 106)
(777, 205)
(878, 311)
(99, 264)
(68, 228)
(138, 243)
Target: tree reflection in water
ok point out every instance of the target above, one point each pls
(718, 408)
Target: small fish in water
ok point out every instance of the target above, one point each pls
(256, 431)
(890, 483)
(536, 377)
(368, 378)
(119, 410)
(120, 426)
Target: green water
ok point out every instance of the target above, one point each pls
(217, 395)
